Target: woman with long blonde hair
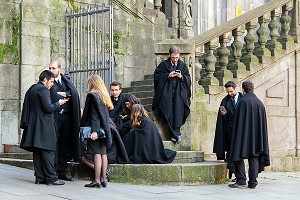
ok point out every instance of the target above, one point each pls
(143, 143)
(96, 115)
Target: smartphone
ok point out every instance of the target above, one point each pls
(177, 70)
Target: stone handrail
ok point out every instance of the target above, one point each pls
(247, 52)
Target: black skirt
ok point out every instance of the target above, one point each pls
(96, 147)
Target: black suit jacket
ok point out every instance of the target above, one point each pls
(38, 119)
(74, 106)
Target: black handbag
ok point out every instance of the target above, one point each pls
(86, 132)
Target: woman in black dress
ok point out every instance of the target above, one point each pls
(96, 115)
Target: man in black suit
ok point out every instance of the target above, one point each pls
(225, 121)
(249, 139)
(39, 134)
(117, 100)
(172, 85)
(67, 120)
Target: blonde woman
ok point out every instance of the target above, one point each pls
(96, 115)
(143, 143)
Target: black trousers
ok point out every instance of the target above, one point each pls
(63, 142)
(252, 173)
(43, 161)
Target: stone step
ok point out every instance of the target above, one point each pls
(169, 174)
(13, 148)
(23, 156)
(181, 157)
(138, 88)
(143, 94)
(149, 174)
(140, 83)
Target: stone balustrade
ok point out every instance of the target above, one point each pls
(244, 44)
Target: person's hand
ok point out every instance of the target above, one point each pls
(222, 110)
(172, 74)
(178, 74)
(62, 94)
(122, 116)
(94, 136)
(63, 101)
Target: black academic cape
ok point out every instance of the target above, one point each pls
(174, 109)
(75, 113)
(116, 153)
(225, 123)
(250, 134)
(37, 119)
(144, 145)
(93, 103)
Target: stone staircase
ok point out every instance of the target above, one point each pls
(188, 168)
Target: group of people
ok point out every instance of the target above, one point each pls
(52, 117)
(241, 133)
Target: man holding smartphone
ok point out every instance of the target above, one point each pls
(225, 121)
(172, 85)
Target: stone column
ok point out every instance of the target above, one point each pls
(295, 30)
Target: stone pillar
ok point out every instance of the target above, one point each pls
(295, 30)
(10, 73)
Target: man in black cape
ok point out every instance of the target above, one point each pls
(117, 100)
(225, 121)
(249, 139)
(172, 85)
(39, 135)
(67, 120)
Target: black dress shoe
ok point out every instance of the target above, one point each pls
(173, 139)
(65, 177)
(92, 185)
(104, 184)
(235, 185)
(39, 182)
(57, 182)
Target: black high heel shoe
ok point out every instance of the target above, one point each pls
(92, 185)
(104, 184)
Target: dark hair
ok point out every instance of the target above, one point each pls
(248, 86)
(174, 49)
(116, 83)
(46, 74)
(230, 84)
(132, 100)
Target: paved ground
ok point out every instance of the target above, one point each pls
(18, 183)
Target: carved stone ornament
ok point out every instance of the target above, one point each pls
(188, 13)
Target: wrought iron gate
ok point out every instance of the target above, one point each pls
(89, 45)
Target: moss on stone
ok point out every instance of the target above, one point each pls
(12, 51)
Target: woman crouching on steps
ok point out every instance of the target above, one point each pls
(95, 114)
